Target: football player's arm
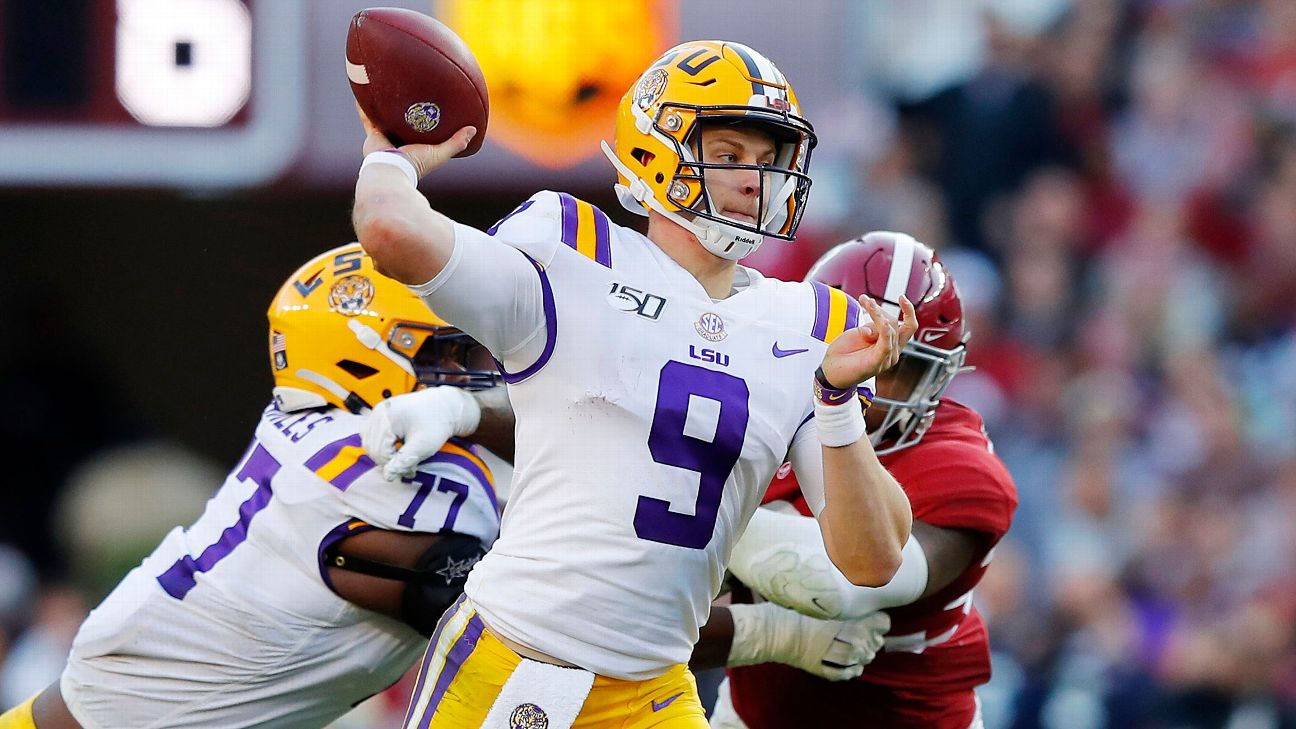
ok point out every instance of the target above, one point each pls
(382, 595)
(782, 557)
(495, 428)
(483, 286)
(408, 240)
(401, 574)
(864, 515)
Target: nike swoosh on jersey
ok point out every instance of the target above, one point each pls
(781, 353)
(667, 702)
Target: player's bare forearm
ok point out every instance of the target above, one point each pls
(496, 427)
(866, 517)
(408, 240)
(714, 641)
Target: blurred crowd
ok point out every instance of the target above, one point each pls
(1113, 184)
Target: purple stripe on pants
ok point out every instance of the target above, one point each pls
(455, 658)
(823, 303)
(569, 218)
(427, 657)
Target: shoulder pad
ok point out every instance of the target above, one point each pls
(835, 312)
(549, 218)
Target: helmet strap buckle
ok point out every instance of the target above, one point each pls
(367, 336)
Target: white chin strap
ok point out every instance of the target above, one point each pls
(726, 241)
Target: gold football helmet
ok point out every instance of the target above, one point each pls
(343, 334)
(658, 143)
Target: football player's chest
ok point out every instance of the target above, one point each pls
(641, 345)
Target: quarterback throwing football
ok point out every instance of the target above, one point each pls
(658, 386)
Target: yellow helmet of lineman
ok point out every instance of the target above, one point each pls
(658, 142)
(343, 334)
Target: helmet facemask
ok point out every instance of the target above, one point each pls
(784, 186)
(905, 421)
(446, 356)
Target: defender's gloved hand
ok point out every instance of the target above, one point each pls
(832, 649)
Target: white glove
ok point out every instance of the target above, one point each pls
(422, 421)
(782, 557)
(831, 649)
(795, 576)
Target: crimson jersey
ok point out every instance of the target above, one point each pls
(937, 650)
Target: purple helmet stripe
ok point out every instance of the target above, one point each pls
(427, 657)
(569, 218)
(603, 239)
(472, 468)
(455, 658)
(551, 323)
(823, 304)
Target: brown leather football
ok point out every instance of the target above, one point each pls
(414, 78)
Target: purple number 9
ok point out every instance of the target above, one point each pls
(714, 460)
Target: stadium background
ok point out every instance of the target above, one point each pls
(1113, 183)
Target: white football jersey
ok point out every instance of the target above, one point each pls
(650, 419)
(231, 623)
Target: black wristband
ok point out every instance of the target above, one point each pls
(829, 394)
(822, 379)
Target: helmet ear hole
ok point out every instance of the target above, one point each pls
(643, 156)
(357, 370)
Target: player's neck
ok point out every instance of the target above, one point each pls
(716, 274)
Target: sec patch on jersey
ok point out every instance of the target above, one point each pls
(415, 78)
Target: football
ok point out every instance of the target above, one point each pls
(414, 78)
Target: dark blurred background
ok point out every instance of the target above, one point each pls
(1112, 182)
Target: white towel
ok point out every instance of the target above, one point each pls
(540, 696)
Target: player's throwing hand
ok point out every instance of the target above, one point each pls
(872, 348)
(425, 157)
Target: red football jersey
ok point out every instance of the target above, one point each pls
(937, 650)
